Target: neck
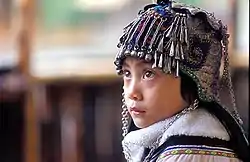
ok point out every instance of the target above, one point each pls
(179, 106)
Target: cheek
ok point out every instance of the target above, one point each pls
(158, 101)
(153, 97)
(160, 96)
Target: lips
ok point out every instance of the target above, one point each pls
(136, 110)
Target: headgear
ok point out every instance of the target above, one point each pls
(178, 37)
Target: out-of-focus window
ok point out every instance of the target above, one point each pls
(8, 33)
(76, 37)
(5, 13)
(64, 23)
(242, 27)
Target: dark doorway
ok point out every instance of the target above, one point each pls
(12, 129)
(11, 124)
(102, 125)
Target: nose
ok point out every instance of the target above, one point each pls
(134, 91)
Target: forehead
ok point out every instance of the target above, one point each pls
(135, 62)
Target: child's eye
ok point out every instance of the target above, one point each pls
(126, 74)
(149, 74)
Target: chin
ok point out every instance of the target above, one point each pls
(141, 124)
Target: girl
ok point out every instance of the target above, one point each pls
(170, 58)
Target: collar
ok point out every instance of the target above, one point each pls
(195, 123)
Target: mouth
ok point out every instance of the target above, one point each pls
(137, 111)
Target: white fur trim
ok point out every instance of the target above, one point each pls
(196, 123)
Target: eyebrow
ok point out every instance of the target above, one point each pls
(125, 64)
(141, 62)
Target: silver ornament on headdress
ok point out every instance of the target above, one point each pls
(125, 117)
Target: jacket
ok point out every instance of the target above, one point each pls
(196, 136)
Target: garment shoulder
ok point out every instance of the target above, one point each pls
(197, 123)
(197, 154)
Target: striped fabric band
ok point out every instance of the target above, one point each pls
(197, 150)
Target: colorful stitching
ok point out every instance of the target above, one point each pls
(198, 152)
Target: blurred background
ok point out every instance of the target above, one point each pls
(60, 98)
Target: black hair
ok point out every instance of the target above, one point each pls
(189, 91)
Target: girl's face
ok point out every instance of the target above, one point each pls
(150, 94)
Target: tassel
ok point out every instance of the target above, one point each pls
(126, 30)
(157, 41)
(185, 30)
(167, 46)
(177, 68)
(160, 65)
(160, 46)
(182, 34)
(153, 41)
(171, 53)
(182, 53)
(130, 24)
(165, 67)
(171, 27)
(177, 25)
(155, 60)
(149, 31)
(169, 65)
(132, 32)
(160, 51)
(173, 63)
(177, 51)
(142, 29)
